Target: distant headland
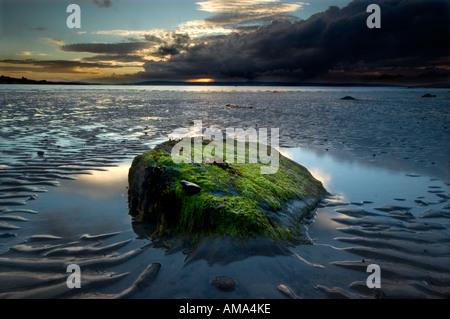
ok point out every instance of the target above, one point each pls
(23, 80)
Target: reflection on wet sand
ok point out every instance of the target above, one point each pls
(372, 227)
(100, 184)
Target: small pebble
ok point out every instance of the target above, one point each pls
(224, 283)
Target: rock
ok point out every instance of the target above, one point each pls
(348, 97)
(147, 198)
(236, 201)
(40, 153)
(235, 106)
(378, 294)
(428, 95)
(190, 188)
(224, 283)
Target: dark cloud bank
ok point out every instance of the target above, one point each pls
(411, 47)
(105, 48)
(56, 66)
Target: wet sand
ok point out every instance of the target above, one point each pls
(64, 157)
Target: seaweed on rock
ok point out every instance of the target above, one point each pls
(225, 199)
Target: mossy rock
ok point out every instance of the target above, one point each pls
(233, 200)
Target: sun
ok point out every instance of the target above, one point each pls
(205, 80)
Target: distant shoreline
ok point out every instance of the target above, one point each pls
(23, 80)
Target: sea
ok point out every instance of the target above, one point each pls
(65, 152)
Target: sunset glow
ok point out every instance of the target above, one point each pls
(200, 81)
(202, 42)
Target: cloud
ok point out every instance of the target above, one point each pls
(103, 3)
(236, 12)
(261, 40)
(267, 7)
(178, 43)
(203, 28)
(53, 66)
(153, 39)
(155, 47)
(133, 33)
(335, 45)
(39, 29)
(229, 17)
(53, 41)
(106, 48)
(127, 58)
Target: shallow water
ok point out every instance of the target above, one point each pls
(365, 156)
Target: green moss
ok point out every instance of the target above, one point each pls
(236, 199)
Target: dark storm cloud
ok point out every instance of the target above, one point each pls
(106, 48)
(413, 43)
(165, 50)
(153, 38)
(116, 58)
(174, 46)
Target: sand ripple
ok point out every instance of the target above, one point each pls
(413, 254)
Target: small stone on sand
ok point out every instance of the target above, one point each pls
(224, 283)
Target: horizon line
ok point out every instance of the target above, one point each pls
(9, 80)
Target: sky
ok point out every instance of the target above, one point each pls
(226, 40)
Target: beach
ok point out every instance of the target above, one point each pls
(65, 152)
